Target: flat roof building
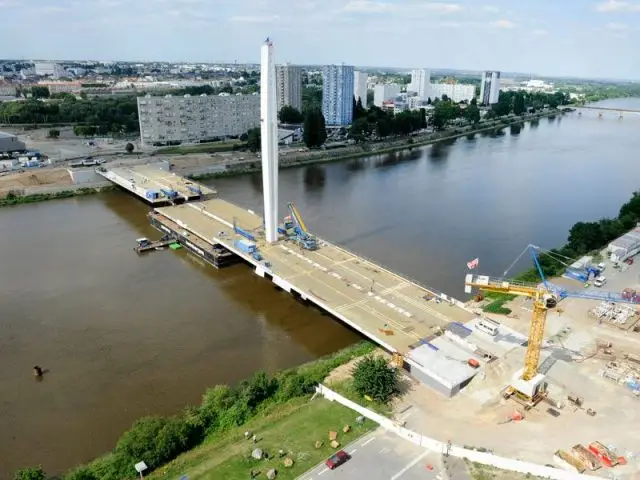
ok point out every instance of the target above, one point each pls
(360, 87)
(9, 143)
(385, 92)
(420, 82)
(456, 91)
(191, 119)
(289, 86)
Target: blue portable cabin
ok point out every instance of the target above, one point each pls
(169, 193)
(195, 189)
(152, 195)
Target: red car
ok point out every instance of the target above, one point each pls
(337, 459)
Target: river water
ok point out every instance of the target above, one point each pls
(124, 336)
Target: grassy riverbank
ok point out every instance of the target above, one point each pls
(404, 144)
(12, 199)
(261, 403)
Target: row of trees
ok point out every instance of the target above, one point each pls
(107, 114)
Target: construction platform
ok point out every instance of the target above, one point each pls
(397, 313)
(155, 184)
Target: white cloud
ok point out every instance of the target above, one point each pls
(503, 23)
(540, 33)
(616, 27)
(255, 19)
(366, 6)
(442, 7)
(610, 6)
(491, 9)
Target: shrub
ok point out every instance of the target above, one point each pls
(372, 376)
(82, 473)
(31, 473)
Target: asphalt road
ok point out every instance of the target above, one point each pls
(381, 455)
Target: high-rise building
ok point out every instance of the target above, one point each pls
(289, 87)
(337, 94)
(360, 87)
(385, 92)
(54, 70)
(490, 88)
(420, 81)
(455, 91)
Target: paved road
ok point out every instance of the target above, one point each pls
(382, 455)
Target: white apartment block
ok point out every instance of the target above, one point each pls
(457, 92)
(360, 87)
(188, 119)
(288, 86)
(420, 81)
(490, 88)
(385, 92)
(7, 91)
(54, 70)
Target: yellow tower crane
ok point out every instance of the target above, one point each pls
(528, 383)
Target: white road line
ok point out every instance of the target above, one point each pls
(367, 442)
(384, 450)
(405, 469)
(353, 451)
(323, 471)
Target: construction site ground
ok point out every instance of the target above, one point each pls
(477, 417)
(33, 178)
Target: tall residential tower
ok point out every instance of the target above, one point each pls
(490, 88)
(420, 82)
(288, 81)
(269, 134)
(337, 94)
(360, 87)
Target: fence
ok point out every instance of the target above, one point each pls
(452, 450)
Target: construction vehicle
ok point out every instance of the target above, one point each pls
(528, 385)
(295, 228)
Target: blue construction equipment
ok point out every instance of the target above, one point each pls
(245, 246)
(169, 193)
(241, 231)
(296, 225)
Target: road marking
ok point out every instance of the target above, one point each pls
(384, 450)
(323, 471)
(353, 451)
(408, 467)
(367, 442)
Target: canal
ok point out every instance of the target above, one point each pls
(124, 336)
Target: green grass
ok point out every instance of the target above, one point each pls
(293, 427)
(497, 305)
(11, 200)
(213, 147)
(345, 388)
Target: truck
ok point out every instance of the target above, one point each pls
(245, 246)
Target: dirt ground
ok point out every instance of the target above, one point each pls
(33, 178)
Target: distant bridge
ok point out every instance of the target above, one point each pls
(611, 109)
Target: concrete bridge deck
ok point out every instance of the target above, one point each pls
(152, 182)
(393, 311)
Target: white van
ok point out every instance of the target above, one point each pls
(488, 326)
(600, 281)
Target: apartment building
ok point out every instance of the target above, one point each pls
(190, 119)
(385, 92)
(288, 86)
(337, 94)
(457, 92)
(420, 82)
(490, 88)
(54, 70)
(360, 87)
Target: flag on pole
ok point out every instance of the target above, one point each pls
(473, 263)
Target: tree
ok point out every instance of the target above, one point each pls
(474, 101)
(129, 147)
(518, 104)
(358, 109)
(503, 107)
(445, 98)
(40, 91)
(314, 130)
(254, 139)
(359, 130)
(472, 113)
(31, 473)
(289, 114)
(372, 376)
(54, 133)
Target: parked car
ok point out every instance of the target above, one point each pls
(337, 459)
(600, 281)
(601, 267)
(629, 261)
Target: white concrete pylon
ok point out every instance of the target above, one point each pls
(269, 135)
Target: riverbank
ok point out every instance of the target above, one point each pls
(370, 149)
(53, 193)
(225, 413)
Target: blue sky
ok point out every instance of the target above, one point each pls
(549, 37)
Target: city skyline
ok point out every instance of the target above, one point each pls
(591, 39)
